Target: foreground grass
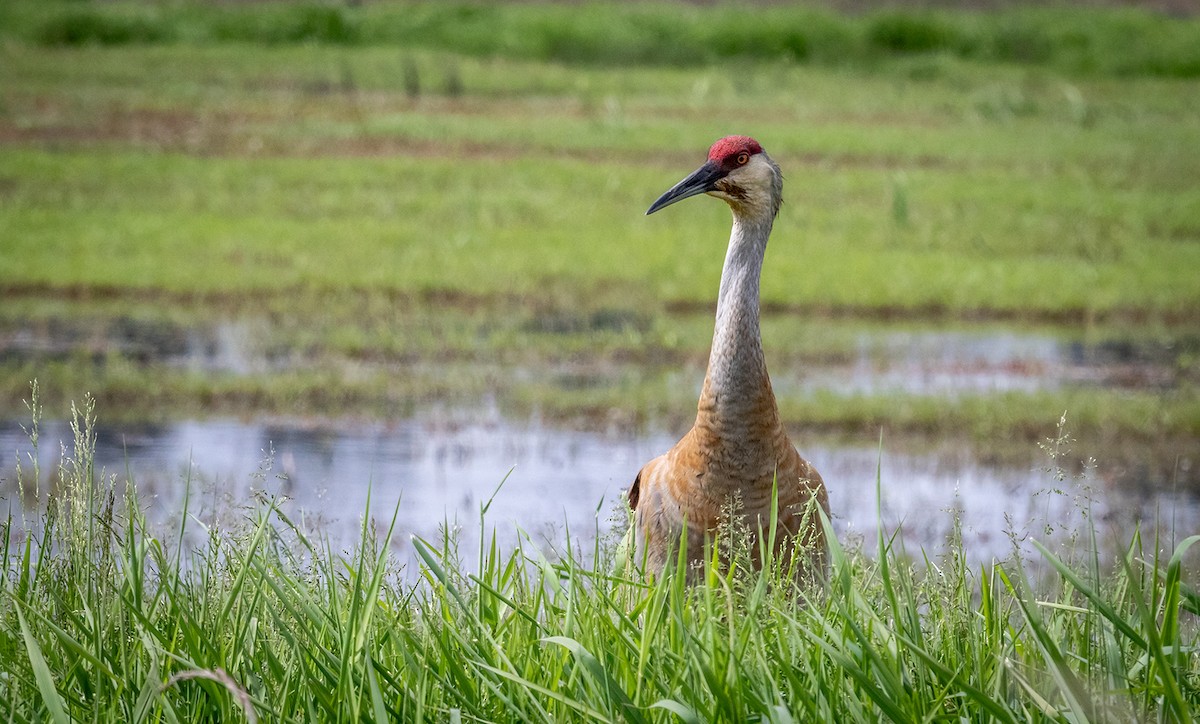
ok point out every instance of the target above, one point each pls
(101, 618)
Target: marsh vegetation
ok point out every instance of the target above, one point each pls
(105, 616)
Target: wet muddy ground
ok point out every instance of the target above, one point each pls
(908, 358)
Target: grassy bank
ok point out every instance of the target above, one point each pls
(101, 618)
(1125, 41)
(302, 171)
(527, 225)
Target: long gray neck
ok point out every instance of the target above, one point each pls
(737, 384)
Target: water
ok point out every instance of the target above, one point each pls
(961, 361)
(230, 346)
(441, 466)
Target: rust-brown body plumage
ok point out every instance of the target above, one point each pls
(737, 456)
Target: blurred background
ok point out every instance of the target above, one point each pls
(319, 250)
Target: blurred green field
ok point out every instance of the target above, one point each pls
(979, 189)
(1086, 37)
(360, 192)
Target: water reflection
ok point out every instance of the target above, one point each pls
(440, 467)
(232, 346)
(950, 362)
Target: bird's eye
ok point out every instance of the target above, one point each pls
(743, 158)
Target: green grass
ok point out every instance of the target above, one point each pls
(102, 618)
(1085, 39)
(255, 179)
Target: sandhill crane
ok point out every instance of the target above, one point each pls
(737, 452)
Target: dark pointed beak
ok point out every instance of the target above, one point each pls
(701, 181)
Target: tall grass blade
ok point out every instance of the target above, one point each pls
(222, 677)
(1173, 593)
(1078, 701)
(1092, 594)
(595, 669)
(581, 707)
(686, 715)
(1160, 667)
(41, 672)
(378, 711)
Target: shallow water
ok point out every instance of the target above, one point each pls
(441, 466)
(954, 362)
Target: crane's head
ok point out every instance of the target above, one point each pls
(738, 171)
